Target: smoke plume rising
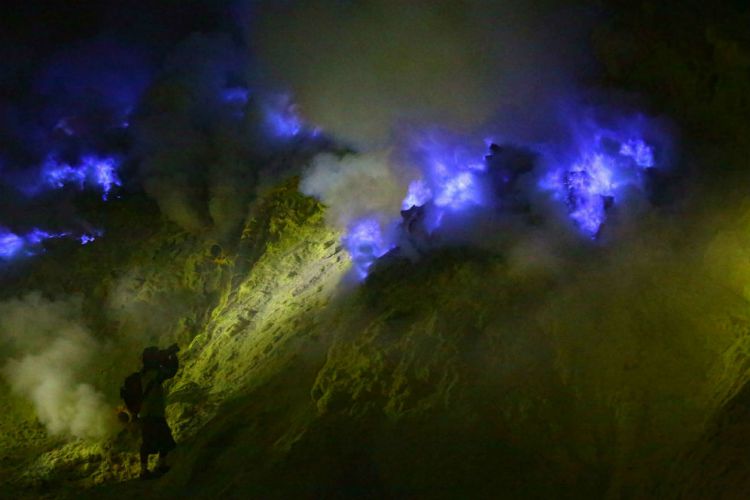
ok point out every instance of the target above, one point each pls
(52, 353)
(354, 186)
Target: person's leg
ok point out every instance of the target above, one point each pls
(146, 447)
(166, 444)
(163, 467)
(144, 463)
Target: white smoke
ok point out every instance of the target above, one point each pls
(362, 69)
(354, 186)
(50, 363)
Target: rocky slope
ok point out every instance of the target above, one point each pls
(448, 377)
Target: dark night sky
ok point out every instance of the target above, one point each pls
(33, 30)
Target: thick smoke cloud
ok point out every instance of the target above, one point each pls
(52, 354)
(651, 331)
(178, 126)
(361, 68)
(144, 312)
(420, 85)
(206, 131)
(354, 186)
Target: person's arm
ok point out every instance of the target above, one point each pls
(170, 364)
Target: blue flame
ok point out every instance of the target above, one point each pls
(584, 187)
(104, 172)
(452, 180)
(452, 176)
(604, 164)
(589, 184)
(417, 195)
(93, 235)
(38, 236)
(590, 170)
(451, 173)
(236, 96)
(366, 242)
(282, 120)
(281, 117)
(639, 151)
(13, 245)
(57, 175)
(94, 170)
(457, 190)
(10, 244)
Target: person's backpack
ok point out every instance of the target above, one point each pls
(132, 392)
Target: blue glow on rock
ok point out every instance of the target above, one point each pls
(281, 117)
(418, 194)
(453, 179)
(85, 239)
(104, 172)
(282, 120)
(93, 170)
(236, 96)
(639, 151)
(14, 246)
(366, 242)
(124, 118)
(451, 175)
(236, 99)
(585, 187)
(458, 190)
(587, 170)
(38, 236)
(10, 244)
(284, 124)
(57, 175)
(589, 183)
(604, 164)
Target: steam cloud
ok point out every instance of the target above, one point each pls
(50, 364)
(204, 132)
(381, 76)
(354, 186)
(361, 68)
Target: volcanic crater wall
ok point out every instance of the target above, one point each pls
(534, 364)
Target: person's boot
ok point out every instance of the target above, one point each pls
(145, 473)
(162, 468)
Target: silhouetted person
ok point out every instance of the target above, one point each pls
(158, 366)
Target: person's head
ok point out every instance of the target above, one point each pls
(151, 357)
